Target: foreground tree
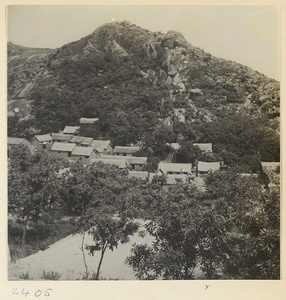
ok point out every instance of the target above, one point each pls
(107, 218)
(32, 183)
(230, 231)
(186, 237)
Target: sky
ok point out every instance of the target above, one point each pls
(249, 35)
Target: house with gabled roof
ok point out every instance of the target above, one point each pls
(63, 149)
(136, 162)
(43, 141)
(14, 141)
(61, 138)
(125, 150)
(87, 142)
(88, 120)
(206, 167)
(174, 168)
(102, 146)
(76, 139)
(82, 153)
(71, 130)
(81, 141)
(120, 163)
(204, 147)
(17, 141)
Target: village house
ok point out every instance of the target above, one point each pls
(136, 163)
(43, 141)
(204, 147)
(120, 163)
(17, 141)
(61, 138)
(63, 149)
(83, 153)
(138, 174)
(87, 142)
(102, 146)
(88, 120)
(206, 167)
(124, 150)
(81, 141)
(13, 141)
(174, 168)
(71, 130)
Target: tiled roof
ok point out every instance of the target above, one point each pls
(100, 144)
(17, 141)
(62, 137)
(68, 147)
(140, 160)
(208, 166)
(71, 129)
(204, 146)
(124, 149)
(44, 138)
(136, 160)
(175, 167)
(87, 141)
(84, 151)
(120, 163)
(88, 120)
(76, 139)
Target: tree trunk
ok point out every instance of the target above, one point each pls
(25, 230)
(83, 256)
(100, 262)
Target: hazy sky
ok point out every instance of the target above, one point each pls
(246, 34)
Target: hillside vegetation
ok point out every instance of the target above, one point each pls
(136, 81)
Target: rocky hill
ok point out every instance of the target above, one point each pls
(135, 81)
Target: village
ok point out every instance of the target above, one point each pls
(69, 145)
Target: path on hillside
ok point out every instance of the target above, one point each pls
(65, 257)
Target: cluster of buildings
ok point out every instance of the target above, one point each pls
(70, 145)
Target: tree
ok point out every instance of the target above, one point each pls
(108, 231)
(253, 247)
(32, 183)
(185, 233)
(187, 153)
(107, 217)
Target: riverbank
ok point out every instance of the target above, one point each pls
(65, 257)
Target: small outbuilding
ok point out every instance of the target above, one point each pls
(43, 141)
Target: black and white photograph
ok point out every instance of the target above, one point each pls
(143, 143)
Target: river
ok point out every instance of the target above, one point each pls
(65, 257)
